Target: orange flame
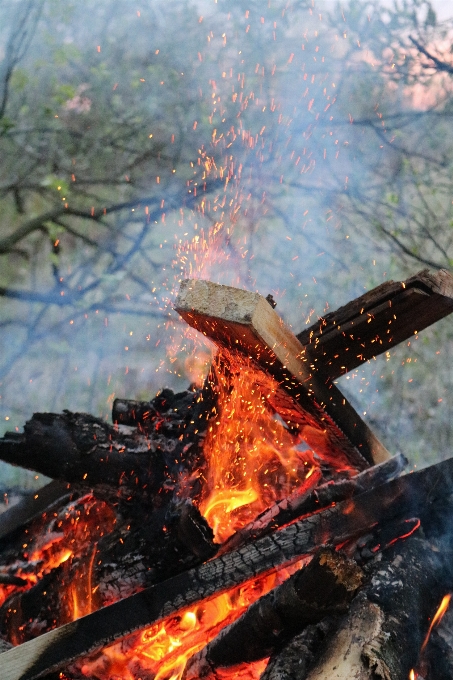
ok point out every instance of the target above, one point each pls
(436, 619)
(164, 649)
(56, 539)
(251, 456)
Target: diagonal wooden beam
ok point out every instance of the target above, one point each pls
(377, 321)
(32, 506)
(245, 322)
(414, 494)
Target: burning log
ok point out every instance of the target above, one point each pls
(245, 323)
(384, 630)
(323, 588)
(377, 321)
(150, 465)
(421, 490)
(310, 499)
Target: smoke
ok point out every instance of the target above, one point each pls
(219, 140)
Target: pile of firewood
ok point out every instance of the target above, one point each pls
(117, 543)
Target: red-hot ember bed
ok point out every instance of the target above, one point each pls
(262, 487)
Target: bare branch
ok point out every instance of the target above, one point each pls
(438, 64)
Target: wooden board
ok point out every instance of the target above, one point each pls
(245, 322)
(414, 494)
(377, 321)
(30, 507)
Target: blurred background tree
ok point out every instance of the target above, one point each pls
(298, 150)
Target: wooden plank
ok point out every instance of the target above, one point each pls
(413, 494)
(377, 321)
(30, 507)
(245, 322)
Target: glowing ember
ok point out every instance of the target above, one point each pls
(66, 539)
(164, 649)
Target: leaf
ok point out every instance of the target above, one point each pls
(54, 230)
(19, 79)
(6, 124)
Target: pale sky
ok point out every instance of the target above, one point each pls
(443, 8)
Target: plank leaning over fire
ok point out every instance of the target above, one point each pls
(411, 494)
(243, 321)
(377, 321)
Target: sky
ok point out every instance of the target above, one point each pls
(443, 8)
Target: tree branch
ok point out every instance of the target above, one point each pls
(439, 65)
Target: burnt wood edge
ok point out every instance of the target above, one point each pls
(431, 292)
(30, 507)
(297, 504)
(243, 322)
(324, 587)
(412, 493)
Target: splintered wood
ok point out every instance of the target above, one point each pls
(244, 322)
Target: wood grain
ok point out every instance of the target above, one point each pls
(377, 321)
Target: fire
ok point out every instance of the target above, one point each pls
(164, 649)
(252, 458)
(436, 619)
(60, 539)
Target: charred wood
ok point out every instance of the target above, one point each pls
(407, 584)
(323, 588)
(381, 636)
(150, 414)
(81, 449)
(306, 500)
(293, 660)
(424, 490)
(29, 507)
